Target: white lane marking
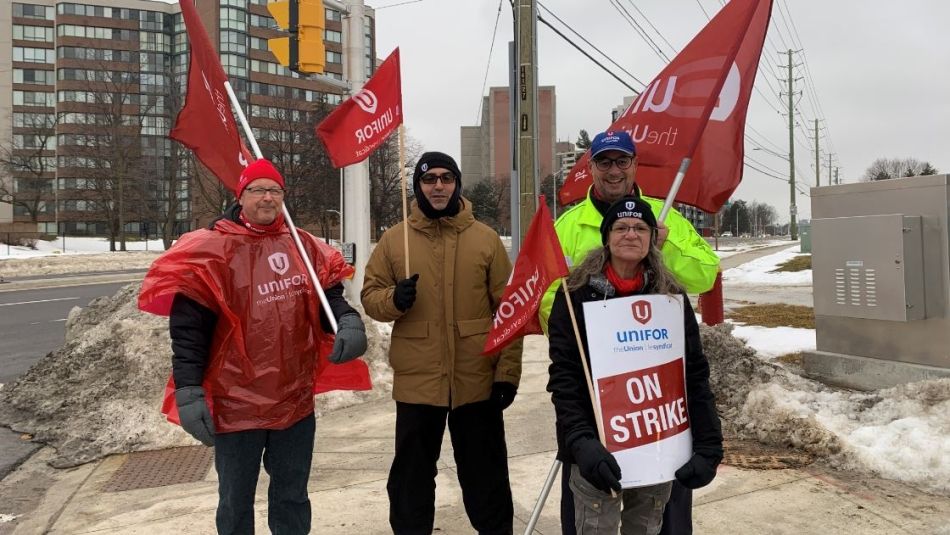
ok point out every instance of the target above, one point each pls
(57, 321)
(39, 301)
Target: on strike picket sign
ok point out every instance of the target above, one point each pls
(637, 347)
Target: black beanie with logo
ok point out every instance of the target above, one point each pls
(626, 207)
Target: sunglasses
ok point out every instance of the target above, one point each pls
(445, 178)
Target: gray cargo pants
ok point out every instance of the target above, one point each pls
(636, 511)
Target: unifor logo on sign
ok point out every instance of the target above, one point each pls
(366, 100)
(642, 311)
(279, 263)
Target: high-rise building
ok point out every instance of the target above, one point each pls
(486, 148)
(89, 92)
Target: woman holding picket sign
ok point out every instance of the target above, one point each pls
(627, 321)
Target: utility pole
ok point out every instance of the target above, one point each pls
(527, 25)
(836, 176)
(817, 167)
(792, 209)
(829, 168)
(355, 219)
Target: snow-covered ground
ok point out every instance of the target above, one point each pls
(726, 251)
(71, 246)
(760, 271)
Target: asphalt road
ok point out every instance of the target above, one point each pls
(32, 322)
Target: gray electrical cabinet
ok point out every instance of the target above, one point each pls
(881, 280)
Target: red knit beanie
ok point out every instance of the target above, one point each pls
(258, 169)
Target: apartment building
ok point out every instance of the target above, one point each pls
(90, 90)
(486, 148)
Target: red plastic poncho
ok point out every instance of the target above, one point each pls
(269, 353)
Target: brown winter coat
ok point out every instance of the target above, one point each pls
(436, 345)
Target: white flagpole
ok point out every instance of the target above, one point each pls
(675, 188)
(290, 222)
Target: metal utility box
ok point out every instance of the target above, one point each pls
(804, 237)
(869, 267)
(881, 279)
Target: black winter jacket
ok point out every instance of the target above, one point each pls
(568, 385)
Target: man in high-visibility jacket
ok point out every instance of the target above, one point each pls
(613, 166)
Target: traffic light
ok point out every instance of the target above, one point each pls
(303, 51)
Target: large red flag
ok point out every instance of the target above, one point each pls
(540, 262)
(361, 124)
(696, 107)
(206, 124)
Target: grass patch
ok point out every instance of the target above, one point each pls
(792, 359)
(774, 315)
(799, 263)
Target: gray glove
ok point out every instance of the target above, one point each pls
(194, 414)
(350, 339)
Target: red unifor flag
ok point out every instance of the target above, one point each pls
(695, 108)
(361, 124)
(206, 124)
(540, 262)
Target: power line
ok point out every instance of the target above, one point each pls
(601, 52)
(642, 14)
(582, 51)
(491, 48)
(640, 31)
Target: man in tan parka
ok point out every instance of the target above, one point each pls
(442, 314)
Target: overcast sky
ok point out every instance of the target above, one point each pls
(880, 69)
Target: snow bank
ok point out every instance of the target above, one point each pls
(776, 341)
(901, 433)
(759, 271)
(76, 263)
(101, 392)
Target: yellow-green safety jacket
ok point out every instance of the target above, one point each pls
(687, 255)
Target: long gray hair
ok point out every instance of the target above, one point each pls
(658, 277)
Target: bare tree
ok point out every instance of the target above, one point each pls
(886, 168)
(109, 154)
(386, 182)
(287, 136)
(29, 165)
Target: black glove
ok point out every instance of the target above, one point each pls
(699, 470)
(405, 293)
(597, 465)
(194, 414)
(503, 394)
(350, 339)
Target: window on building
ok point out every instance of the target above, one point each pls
(84, 10)
(33, 76)
(235, 42)
(332, 14)
(33, 120)
(334, 57)
(34, 55)
(233, 19)
(34, 141)
(33, 33)
(333, 36)
(33, 98)
(32, 11)
(234, 65)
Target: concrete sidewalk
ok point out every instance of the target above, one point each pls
(348, 486)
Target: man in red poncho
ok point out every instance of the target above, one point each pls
(246, 331)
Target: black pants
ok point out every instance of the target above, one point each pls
(287, 455)
(677, 516)
(481, 457)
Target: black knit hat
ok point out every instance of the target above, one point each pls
(626, 207)
(433, 160)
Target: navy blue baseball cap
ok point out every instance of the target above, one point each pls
(612, 140)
